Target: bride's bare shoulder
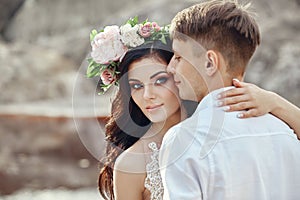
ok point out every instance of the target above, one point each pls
(133, 159)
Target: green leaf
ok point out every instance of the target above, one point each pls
(163, 39)
(136, 19)
(103, 67)
(133, 21)
(93, 34)
(144, 22)
(104, 88)
(93, 69)
(90, 60)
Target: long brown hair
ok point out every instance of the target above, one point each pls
(127, 123)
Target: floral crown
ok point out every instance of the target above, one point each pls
(110, 45)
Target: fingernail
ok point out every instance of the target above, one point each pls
(219, 96)
(226, 108)
(240, 115)
(219, 103)
(235, 79)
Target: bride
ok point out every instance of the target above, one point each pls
(134, 57)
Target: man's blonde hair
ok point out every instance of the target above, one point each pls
(221, 25)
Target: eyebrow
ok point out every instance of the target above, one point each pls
(151, 77)
(132, 79)
(161, 72)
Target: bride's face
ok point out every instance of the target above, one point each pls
(153, 89)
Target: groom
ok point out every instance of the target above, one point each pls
(213, 154)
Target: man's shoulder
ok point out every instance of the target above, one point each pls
(183, 128)
(189, 127)
(185, 136)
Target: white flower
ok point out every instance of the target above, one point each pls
(107, 45)
(130, 36)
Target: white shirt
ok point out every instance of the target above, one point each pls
(215, 155)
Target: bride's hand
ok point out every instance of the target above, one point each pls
(248, 98)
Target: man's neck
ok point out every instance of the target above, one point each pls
(218, 83)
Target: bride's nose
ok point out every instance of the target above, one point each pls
(149, 92)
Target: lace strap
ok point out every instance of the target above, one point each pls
(153, 181)
(153, 146)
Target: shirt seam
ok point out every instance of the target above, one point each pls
(263, 134)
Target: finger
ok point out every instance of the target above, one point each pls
(249, 113)
(236, 82)
(238, 107)
(233, 100)
(239, 84)
(231, 92)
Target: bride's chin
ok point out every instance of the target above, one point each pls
(157, 120)
(157, 117)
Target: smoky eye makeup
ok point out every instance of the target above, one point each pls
(162, 79)
(158, 78)
(135, 84)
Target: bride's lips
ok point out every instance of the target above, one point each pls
(153, 107)
(177, 82)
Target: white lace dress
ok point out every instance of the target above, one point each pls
(153, 181)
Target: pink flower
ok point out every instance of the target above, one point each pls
(145, 30)
(156, 26)
(107, 46)
(107, 76)
(148, 28)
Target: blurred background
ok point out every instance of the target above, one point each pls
(51, 119)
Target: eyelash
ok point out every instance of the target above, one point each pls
(159, 81)
(177, 58)
(163, 79)
(136, 86)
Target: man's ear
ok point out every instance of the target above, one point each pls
(212, 62)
